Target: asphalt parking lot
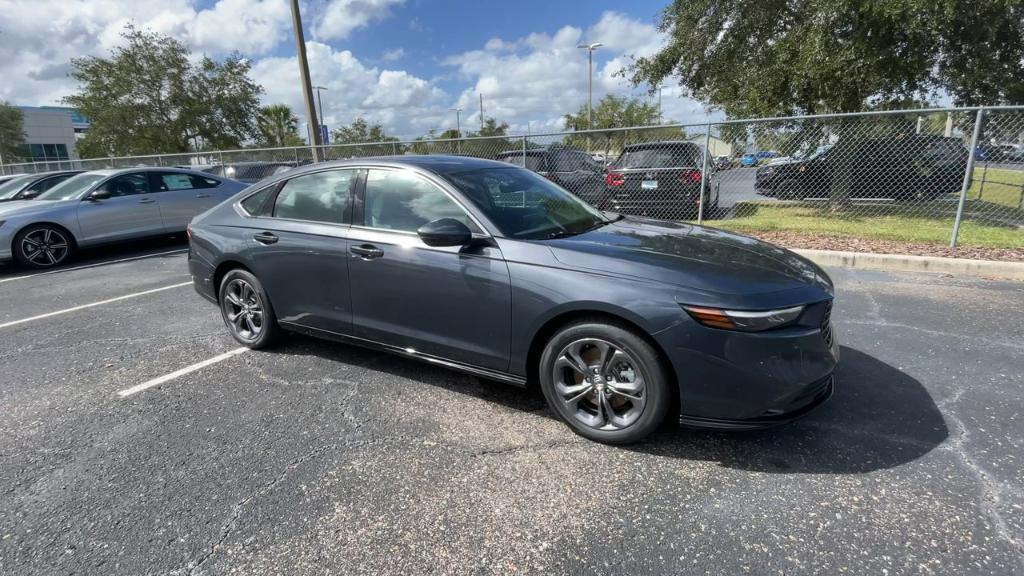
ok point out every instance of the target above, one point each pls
(317, 458)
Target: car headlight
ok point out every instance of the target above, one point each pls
(744, 320)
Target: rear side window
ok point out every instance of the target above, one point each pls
(258, 204)
(532, 161)
(318, 197)
(683, 155)
(174, 181)
(203, 182)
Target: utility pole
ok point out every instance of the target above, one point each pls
(481, 113)
(660, 120)
(590, 80)
(307, 88)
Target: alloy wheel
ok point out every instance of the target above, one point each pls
(243, 309)
(600, 384)
(45, 247)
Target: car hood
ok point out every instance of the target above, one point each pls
(704, 260)
(18, 207)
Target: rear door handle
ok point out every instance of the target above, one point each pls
(265, 238)
(366, 251)
(146, 201)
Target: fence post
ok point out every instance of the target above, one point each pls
(3, 168)
(704, 174)
(968, 174)
(295, 151)
(524, 152)
(394, 148)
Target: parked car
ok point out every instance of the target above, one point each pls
(917, 167)
(493, 270)
(570, 168)
(661, 180)
(748, 160)
(105, 206)
(722, 163)
(767, 154)
(248, 172)
(28, 186)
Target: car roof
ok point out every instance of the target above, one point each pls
(436, 163)
(119, 171)
(659, 144)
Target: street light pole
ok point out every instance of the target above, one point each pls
(590, 80)
(307, 89)
(458, 129)
(320, 103)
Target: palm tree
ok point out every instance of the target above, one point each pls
(278, 125)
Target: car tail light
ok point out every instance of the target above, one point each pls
(614, 179)
(690, 176)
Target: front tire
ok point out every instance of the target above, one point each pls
(246, 310)
(42, 246)
(605, 381)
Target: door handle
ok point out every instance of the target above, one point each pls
(265, 238)
(202, 195)
(146, 201)
(366, 251)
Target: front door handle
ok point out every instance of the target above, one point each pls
(202, 195)
(366, 251)
(265, 238)
(146, 201)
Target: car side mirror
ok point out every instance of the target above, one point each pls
(29, 194)
(445, 232)
(99, 194)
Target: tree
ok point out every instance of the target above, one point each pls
(278, 127)
(148, 97)
(764, 58)
(12, 133)
(619, 112)
(374, 140)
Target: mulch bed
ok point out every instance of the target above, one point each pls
(851, 244)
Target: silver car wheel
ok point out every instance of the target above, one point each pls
(243, 309)
(45, 247)
(600, 384)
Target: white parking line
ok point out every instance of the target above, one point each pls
(178, 373)
(90, 305)
(84, 266)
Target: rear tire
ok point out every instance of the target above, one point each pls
(246, 310)
(789, 189)
(43, 246)
(605, 381)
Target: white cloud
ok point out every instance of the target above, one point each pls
(403, 103)
(392, 55)
(35, 71)
(338, 18)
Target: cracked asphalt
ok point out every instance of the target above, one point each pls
(317, 458)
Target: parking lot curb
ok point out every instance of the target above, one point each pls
(902, 263)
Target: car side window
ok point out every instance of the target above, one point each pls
(126, 185)
(399, 200)
(319, 197)
(171, 181)
(45, 184)
(257, 204)
(203, 182)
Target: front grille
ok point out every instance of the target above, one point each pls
(826, 325)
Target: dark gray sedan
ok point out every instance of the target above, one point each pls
(493, 270)
(105, 206)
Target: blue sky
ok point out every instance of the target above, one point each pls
(403, 63)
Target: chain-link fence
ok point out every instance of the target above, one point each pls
(932, 176)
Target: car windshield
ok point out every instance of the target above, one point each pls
(11, 187)
(71, 187)
(532, 161)
(668, 156)
(524, 205)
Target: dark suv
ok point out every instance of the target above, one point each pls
(910, 168)
(661, 180)
(570, 168)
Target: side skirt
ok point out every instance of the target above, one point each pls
(374, 345)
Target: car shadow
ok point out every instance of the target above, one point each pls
(106, 254)
(878, 418)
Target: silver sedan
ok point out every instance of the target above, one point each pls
(106, 206)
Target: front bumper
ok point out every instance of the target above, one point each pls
(743, 380)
